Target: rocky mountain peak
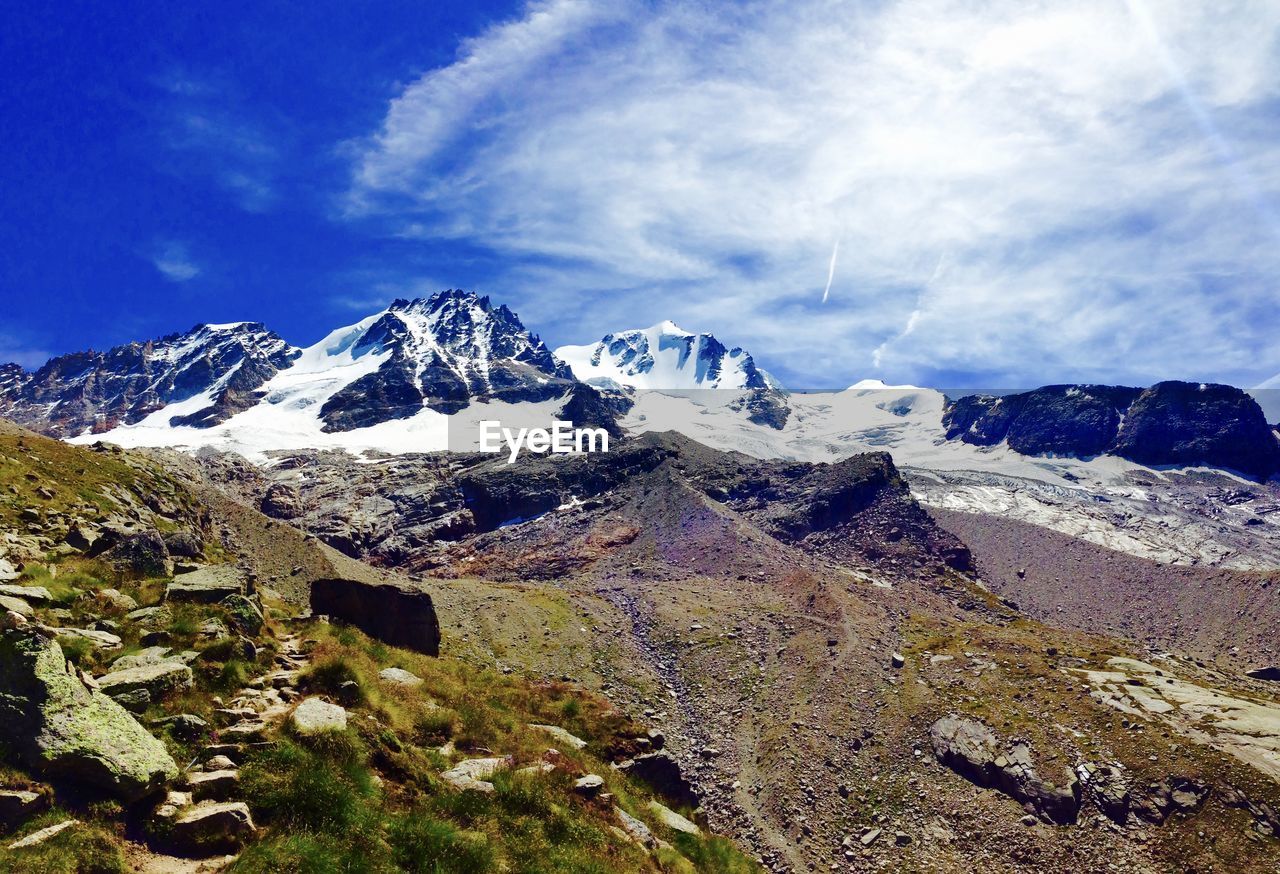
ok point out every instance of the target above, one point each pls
(664, 356)
(223, 364)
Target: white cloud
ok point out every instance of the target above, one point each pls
(1023, 190)
(173, 260)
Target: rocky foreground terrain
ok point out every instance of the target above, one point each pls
(842, 682)
(174, 699)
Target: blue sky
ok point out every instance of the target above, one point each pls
(1021, 192)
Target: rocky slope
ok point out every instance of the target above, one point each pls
(169, 705)
(797, 632)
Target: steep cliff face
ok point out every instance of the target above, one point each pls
(1185, 423)
(1171, 423)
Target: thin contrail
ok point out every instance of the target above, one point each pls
(831, 271)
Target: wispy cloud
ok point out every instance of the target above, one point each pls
(16, 350)
(205, 134)
(1023, 190)
(173, 260)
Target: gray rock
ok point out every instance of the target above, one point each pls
(17, 605)
(19, 805)
(142, 554)
(869, 836)
(183, 544)
(315, 715)
(209, 585)
(37, 838)
(588, 786)
(971, 749)
(185, 726)
(7, 571)
(662, 772)
(211, 826)
(60, 727)
(245, 614)
(150, 617)
(158, 680)
(213, 785)
(148, 656)
(473, 773)
(399, 677)
(635, 829)
(114, 599)
(100, 639)
(282, 501)
(30, 594)
(673, 820)
(562, 736)
(81, 538)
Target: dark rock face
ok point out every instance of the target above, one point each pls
(1191, 423)
(1171, 423)
(971, 750)
(663, 773)
(1079, 420)
(97, 391)
(394, 615)
(766, 406)
(1271, 672)
(443, 353)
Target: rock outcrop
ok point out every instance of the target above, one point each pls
(393, 614)
(971, 750)
(1170, 423)
(63, 729)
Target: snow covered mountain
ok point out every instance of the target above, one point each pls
(219, 365)
(405, 379)
(664, 357)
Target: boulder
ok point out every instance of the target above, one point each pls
(673, 820)
(62, 728)
(397, 615)
(145, 684)
(30, 594)
(971, 750)
(473, 773)
(635, 829)
(142, 554)
(662, 772)
(562, 736)
(1270, 673)
(216, 785)
(19, 805)
(399, 677)
(1107, 788)
(1171, 795)
(8, 572)
(315, 715)
(81, 538)
(282, 501)
(99, 639)
(245, 614)
(150, 617)
(208, 585)
(183, 544)
(37, 838)
(211, 827)
(116, 600)
(589, 786)
(17, 605)
(149, 656)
